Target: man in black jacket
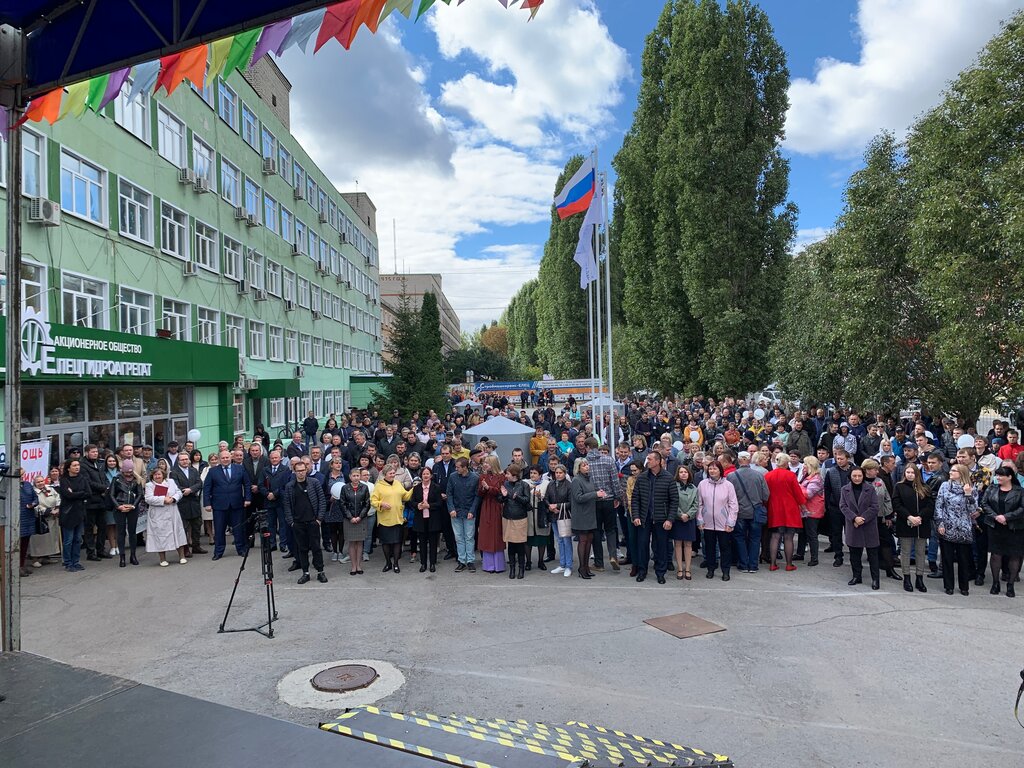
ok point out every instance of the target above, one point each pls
(655, 503)
(389, 441)
(444, 467)
(253, 463)
(835, 479)
(304, 508)
(187, 478)
(95, 474)
(272, 481)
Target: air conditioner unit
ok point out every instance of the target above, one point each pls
(189, 269)
(186, 176)
(300, 371)
(343, 237)
(241, 365)
(375, 302)
(250, 382)
(42, 210)
(323, 269)
(289, 305)
(300, 194)
(318, 315)
(269, 166)
(348, 283)
(259, 295)
(296, 249)
(339, 279)
(243, 288)
(323, 217)
(250, 220)
(353, 327)
(240, 213)
(202, 185)
(367, 261)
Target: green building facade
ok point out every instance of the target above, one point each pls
(187, 266)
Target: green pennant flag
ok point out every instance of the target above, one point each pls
(74, 102)
(97, 89)
(402, 6)
(424, 7)
(241, 50)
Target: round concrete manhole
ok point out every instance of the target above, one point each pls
(344, 678)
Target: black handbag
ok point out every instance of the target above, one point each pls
(41, 525)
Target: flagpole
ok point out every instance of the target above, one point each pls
(608, 299)
(590, 335)
(599, 408)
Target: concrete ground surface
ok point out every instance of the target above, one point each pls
(810, 672)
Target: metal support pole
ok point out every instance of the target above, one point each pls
(599, 409)
(590, 335)
(608, 299)
(12, 393)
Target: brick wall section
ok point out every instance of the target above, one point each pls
(272, 86)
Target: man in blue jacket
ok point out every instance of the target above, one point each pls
(226, 492)
(463, 502)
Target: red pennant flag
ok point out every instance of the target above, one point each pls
(45, 107)
(337, 23)
(168, 64)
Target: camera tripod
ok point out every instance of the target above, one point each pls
(267, 566)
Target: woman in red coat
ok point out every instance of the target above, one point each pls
(489, 538)
(785, 497)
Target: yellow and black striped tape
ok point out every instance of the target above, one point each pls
(633, 737)
(414, 749)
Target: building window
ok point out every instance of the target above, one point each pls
(348, 357)
(277, 412)
(339, 355)
(287, 232)
(314, 295)
(305, 348)
(135, 311)
(203, 161)
(313, 244)
(33, 287)
(329, 355)
(336, 313)
(238, 407)
(250, 128)
(304, 293)
(205, 253)
(284, 164)
(209, 326)
(274, 278)
(84, 301)
(233, 329)
(82, 188)
(230, 182)
(257, 277)
(270, 213)
(269, 143)
(133, 116)
(176, 320)
(326, 304)
(332, 215)
(228, 106)
(291, 342)
(318, 351)
(136, 212)
(276, 343)
(233, 264)
(173, 231)
(335, 262)
(299, 182)
(171, 137)
(33, 172)
(252, 198)
(288, 288)
(311, 192)
(300, 236)
(322, 202)
(325, 259)
(206, 92)
(257, 340)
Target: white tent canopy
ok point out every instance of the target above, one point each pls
(468, 404)
(605, 401)
(506, 433)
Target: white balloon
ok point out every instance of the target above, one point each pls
(336, 490)
(746, 414)
(194, 435)
(76, 439)
(678, 445)
(759, 414)
(965, 441)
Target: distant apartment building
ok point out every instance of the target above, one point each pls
(414, 286)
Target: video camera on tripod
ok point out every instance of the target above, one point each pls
(256, 525)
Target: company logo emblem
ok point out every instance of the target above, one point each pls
(37, 345)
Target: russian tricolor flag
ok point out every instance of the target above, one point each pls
(578, 193)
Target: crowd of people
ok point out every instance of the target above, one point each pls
(737, 484)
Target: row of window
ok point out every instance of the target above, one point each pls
(321, 402)
(172, 145)
(83, 302)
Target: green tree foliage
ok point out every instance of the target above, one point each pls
(560, 305)
(472, 356)
(431, 387)
(402, 360)
(705, 224)
(521, 320)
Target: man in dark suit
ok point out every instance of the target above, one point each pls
(444, 467)
(253, 463)
(191, 485)
(297, 447)
(226, 491)
(272, 479)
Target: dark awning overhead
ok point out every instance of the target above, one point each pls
(269, 389)
(71, 41)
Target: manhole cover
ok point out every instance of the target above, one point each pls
(349, 677)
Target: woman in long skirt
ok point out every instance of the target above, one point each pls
(489, 539)
(164, 531)
(539, 521)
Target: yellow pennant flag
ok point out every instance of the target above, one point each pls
(74, 103)
(219, 51)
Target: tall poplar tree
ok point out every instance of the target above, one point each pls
(430, 387)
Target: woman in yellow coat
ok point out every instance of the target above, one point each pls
(388, 498)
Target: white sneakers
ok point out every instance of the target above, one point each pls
(345, 559)
(113, 551)
(556, 571)
(164, 563)
(568, 572)
(182, 561)
(366, 558)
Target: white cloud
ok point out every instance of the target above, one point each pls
(910, 50)
(809, 236)
(539, 80)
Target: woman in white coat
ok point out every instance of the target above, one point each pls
(164, 531)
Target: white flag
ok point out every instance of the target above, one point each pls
(585, 255)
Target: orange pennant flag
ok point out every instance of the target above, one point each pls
(337, 23)
(191, 66)
(45, 107)
(368, 14)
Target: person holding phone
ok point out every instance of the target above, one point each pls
(956, 509)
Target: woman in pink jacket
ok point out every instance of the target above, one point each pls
(716, 516)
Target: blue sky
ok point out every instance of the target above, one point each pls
(458, 126)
